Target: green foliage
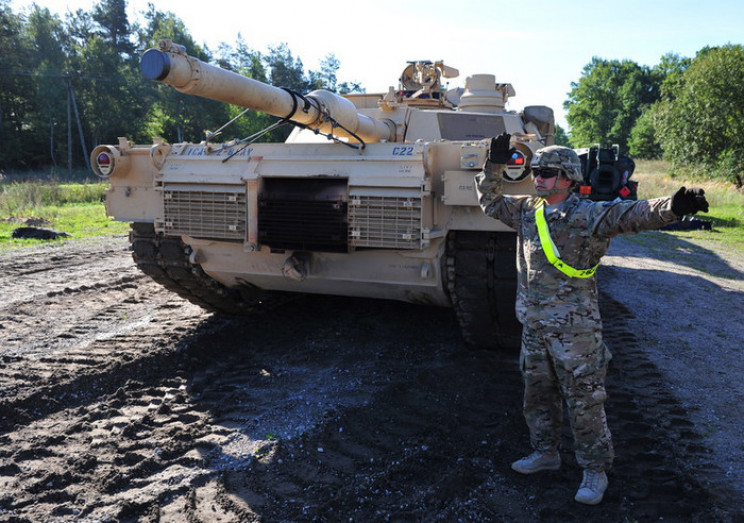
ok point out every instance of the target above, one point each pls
(285, 70)
(668, 73)
(15, 86)
(79, 220)
(643, 143)
(24, 199)
(561, 137)
(94, 56)
(76, 209)
(111, 17)
(690, 111)
(700, 119)
(606, 101)
(658, 178)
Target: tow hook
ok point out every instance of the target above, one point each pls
(295, 267)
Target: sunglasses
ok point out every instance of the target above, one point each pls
(546, 173)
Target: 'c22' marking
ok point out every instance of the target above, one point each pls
(403, 151)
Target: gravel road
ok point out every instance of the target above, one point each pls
(119, 401)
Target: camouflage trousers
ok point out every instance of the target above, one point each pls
(570, 367)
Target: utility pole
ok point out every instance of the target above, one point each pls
(69, 126)
(72, 103)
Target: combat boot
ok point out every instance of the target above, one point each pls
(592, 487)
(537, 461)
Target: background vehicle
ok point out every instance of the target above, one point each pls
(607, 174)
(371, 195)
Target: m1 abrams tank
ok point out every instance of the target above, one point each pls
(371, 195)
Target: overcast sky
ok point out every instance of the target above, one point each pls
(540, 46)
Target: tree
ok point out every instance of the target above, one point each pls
(668, 73)
(561, 137)
(80, 27)
(111, 17)
(326, 78)
(48, 121)
(16, 82)
(702, 120)
(172, 115)
(242, 59)
(606, 101)
(285, 70)
(643, 142)
(94, 54)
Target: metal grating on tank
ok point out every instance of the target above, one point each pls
(385, 222)
(205, 214)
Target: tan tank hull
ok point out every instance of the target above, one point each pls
(395, 219)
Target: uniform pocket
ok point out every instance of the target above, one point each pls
(580, 353)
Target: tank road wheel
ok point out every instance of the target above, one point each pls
(166, 260)
(481, 278)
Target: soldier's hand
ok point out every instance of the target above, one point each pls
(689, 201)
(500, 152)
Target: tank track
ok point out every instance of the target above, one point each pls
(481, 279)
(166, 260)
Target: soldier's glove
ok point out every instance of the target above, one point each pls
(689, 201)
(500, 152)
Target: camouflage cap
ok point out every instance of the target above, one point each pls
(559, 157)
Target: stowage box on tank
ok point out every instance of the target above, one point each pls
(371, 195)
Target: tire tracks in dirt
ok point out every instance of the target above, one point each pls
(144, 408)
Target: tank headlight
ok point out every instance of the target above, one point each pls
(106, 160)
(105, 163)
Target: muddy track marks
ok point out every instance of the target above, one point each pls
(133, 405)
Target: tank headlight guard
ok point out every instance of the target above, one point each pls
(106, 161)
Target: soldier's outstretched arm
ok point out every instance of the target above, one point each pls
(489, 183)
(635, 216)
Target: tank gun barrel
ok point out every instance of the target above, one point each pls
(322, 110)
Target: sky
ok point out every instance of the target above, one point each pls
(540, 47)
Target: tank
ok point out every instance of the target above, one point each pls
(371, 195)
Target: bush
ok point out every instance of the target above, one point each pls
(701, 117)
(21, 199)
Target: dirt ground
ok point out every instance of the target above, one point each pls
(119, 401)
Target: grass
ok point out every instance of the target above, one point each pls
(726, 203)
(76, 209)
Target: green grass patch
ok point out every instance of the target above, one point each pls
(728, 228)
(726, 203)
(22, 198)
(76, 209)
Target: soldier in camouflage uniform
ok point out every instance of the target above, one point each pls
(563, 357)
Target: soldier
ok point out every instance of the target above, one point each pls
(560, 240)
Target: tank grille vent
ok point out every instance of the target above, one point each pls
(205, 214)
(303, 214)
(385, 222)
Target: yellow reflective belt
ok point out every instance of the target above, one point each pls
(547, 246)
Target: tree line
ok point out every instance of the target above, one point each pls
(687, 110)
(69, 84)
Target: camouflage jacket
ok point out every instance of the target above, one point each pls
(581, 231)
